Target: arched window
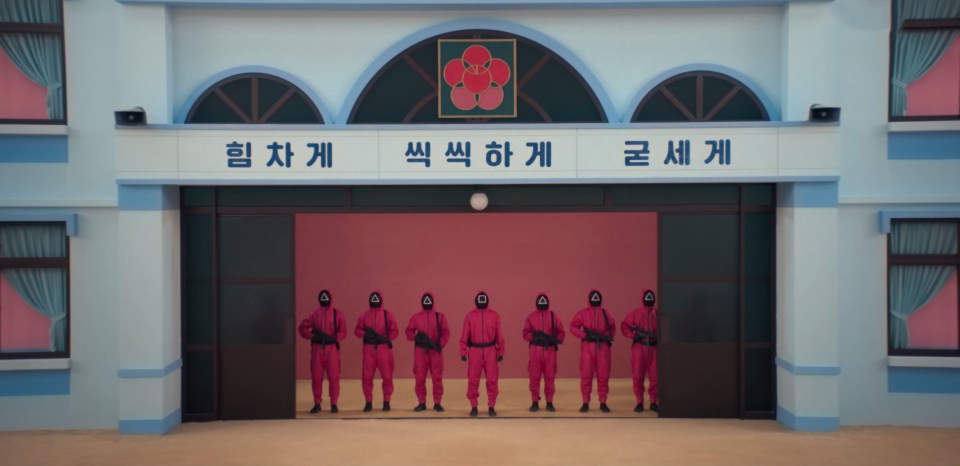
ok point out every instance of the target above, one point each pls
(549, 90)
(254, 98)
(700, 96)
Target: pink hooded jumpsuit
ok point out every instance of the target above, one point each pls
(594, 356)
(325, 359)
(434, 325)
(543, 359)
(377, 356)
(482, 343)
(643, 360)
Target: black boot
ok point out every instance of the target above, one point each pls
(315, 409)
(654, 407)
(550, 407)
(492, 412)
(333, 409)
(604, 407)
(639, 408)
(420, 407)
(386, 406)
(474, 412)
(368, 407)
(437, 407)
(534, 407)
(585, 408)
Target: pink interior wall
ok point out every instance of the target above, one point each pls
(21, 327)
(511, 256)
(937, 92)
(19, 96)
(935, 325)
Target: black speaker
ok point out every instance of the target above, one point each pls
(821, 114)
(133, 117)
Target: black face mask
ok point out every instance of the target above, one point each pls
(376, 300)
(595, 298)
(427, 302)
(324, 298)
(482, 301)
(543, 303)
(649, 299)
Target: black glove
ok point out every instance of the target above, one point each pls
(463, 358)
(499, 358)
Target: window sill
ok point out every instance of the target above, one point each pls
(924, 361)
(919, 126)
(33, 130)
(34, 364)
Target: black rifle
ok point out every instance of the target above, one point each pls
(594, 336)
(422, 340)
(643, 337)
(371, 337)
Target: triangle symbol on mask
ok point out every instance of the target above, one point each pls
(542, 300)
(324, 298)
(648, 296)
(482, 299)
(375, 299)
(595, 297)
(427, 301)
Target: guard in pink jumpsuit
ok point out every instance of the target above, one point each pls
(430, 333)
(544, 331)
(595, 328)
(481, 344)
(325, 327)
(378, 328)
(641, 326)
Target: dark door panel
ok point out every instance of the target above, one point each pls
(257, 382)
(698, 380)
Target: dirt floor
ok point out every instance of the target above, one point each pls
(513, 438)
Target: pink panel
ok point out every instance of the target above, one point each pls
(20, 326)
(20, 98)
(511, 256)
(937, 92)
(935, 325)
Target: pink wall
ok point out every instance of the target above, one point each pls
(20, 326)
(935, 325)
(19, 96)
(937, 92)
(511, 256)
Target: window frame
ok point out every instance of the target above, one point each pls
(255, 118)
(921, 259)
(42, 28)
(43, 263)
(699, 114)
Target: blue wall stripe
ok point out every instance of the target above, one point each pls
(463, 4)
(69, 219)
(923, 145)
(887, 215)
(154, 197)
(923, 380)
(476, 182)
(807, 423)
(807, 370)
(35, 382)
(822, 194)
(149, 373)
(150, 426)
(38, 148)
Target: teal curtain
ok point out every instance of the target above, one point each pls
(44, 289)
(913, 286)
(37, 56)
(915, 52)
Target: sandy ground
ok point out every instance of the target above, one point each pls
(514, 438)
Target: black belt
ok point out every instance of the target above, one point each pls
(480, 345)
(373, 342)
(645, 341)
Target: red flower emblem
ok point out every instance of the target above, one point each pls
(477, 79)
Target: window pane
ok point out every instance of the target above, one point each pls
(758, 375)
(37, 313)
(923, 238)
(675, 195)
(39, 12)
(33, 240)
(22, 329)
(20, 97)
(198, 379)
(934, 325)
(280, 197)
(698, 245)
(39, 58)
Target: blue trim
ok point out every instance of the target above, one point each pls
(807, 423)
(35, 382)
(477, 23)
(149, 373)
(474, 127)
(70, 219)
(807, 370)
(373, 181)
(887, 215)
(923, 380)
(150, 426)
(461, 4)
(801, 195)
(154, 197)
(923, 145)
(40, 148)
(765, 100)
(181, 116)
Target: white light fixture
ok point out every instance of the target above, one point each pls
(479, 201)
